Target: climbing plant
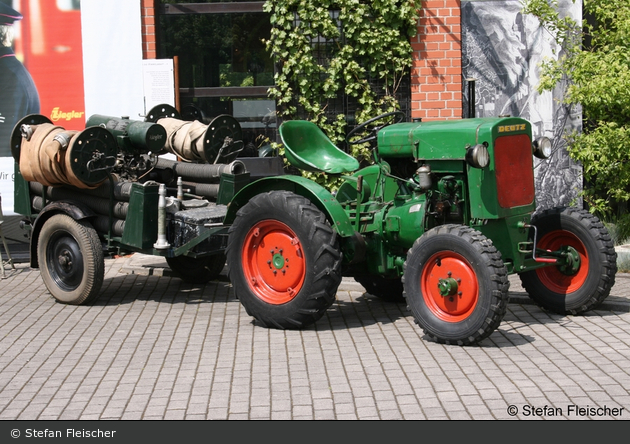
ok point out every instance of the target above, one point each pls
(325, 49)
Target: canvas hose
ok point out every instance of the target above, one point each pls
(185, 139)
(44, 157)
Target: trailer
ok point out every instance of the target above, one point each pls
(108, 190)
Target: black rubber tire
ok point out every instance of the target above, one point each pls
(486, 272)
(599, 250)
(79, 278)
(315, 241)
(388, 290)
(197, 270)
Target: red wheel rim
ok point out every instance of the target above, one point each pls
(552, 277)
(273, 262)
(460, 301)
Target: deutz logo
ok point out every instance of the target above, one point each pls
(512, 128)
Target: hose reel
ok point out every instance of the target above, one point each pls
(193, 141)
(51, 155)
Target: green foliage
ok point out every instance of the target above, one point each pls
(595, 60)
(361, 41)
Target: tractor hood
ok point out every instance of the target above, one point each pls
(447, 139)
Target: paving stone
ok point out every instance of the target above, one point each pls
(154, 348)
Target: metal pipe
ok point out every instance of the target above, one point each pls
(161, 243)
(471, 97)
(201, 172)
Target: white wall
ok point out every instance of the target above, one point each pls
(112, 57)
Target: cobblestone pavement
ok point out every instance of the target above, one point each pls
(153, 347)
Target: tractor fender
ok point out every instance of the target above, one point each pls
(318, 195)
(75, 210)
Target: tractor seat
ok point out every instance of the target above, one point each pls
(308, 148)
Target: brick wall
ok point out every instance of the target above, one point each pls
(436, 78)
(148, 29)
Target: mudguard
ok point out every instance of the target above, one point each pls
(75, 210)
(318, 195)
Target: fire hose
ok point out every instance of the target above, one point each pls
(53, 156)
(218, 142)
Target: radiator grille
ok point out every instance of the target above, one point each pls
(514, 170)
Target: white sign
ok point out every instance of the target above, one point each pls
(7, 174)
(159, 83)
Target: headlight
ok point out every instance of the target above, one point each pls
(542, 148)
(477, 156)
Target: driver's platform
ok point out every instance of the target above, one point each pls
(308, 148)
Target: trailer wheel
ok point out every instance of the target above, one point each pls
(197, 270)
(71, 258)
(579, 288)
(456, 285)
(389, 290)
(284, 260)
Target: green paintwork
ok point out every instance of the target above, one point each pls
(141, 224)
(229, 185)
(443, 145)
(132, 135)
(506, 234)
(318, 195)
(309, 149)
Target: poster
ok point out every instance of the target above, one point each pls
(502, 50)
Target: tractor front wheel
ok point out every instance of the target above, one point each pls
(456, 285)
(582, 284)
(283, 260)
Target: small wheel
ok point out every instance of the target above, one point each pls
(456, 284)
(284, 260)
(197, 270)
(389, 290)
(394, 117)
(583, 284)
(71, 258)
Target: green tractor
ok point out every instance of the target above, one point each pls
(440, 219)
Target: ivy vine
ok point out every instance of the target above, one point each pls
(363, 43)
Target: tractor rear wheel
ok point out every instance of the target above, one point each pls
(456, 285)
(283, 260)
(71, 259)
(580, 287)
(197, 270)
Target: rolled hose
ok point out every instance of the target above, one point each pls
(122, 190)
(185, 139)
(100, 223)
(97, 204)
(45, 157)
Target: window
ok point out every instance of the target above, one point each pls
(223, 66)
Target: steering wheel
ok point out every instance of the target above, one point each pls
(394, 117)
